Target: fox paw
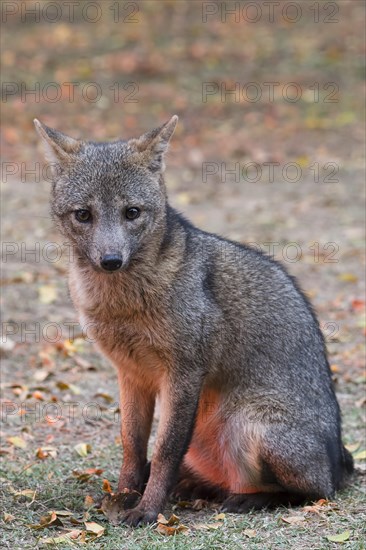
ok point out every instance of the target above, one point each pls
(138, 516)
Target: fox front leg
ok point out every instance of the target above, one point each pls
(137, 408)
(179, 401)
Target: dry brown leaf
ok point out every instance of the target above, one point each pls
(107, 487)
(108, 398)
(162, 519)
(250, 533)
(293, 520)
(88, 501)
(169, 531)
(45, 452)
(200, 504)
(87, 474)
(49, 520)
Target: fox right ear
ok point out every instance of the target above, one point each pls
(153, 145)
(58, 146)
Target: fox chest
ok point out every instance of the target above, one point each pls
(121, 324)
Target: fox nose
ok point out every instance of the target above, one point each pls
(111, 262)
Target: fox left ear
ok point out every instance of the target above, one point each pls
(152, 145)
(58, 146)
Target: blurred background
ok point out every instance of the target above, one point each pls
(269, 150)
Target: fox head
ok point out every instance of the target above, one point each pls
(108, 199)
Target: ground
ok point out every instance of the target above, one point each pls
(59, 397)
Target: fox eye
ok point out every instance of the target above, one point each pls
(83, 216)
(132, 213)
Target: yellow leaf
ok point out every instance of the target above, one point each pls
(208, 526)
(352, 447)
(47, 294)
(83, 449)
(183, 198)
(219, 516)
(27, 493)
(348, 277)
(361, 455)
(95, 528)
(342, 537)
(17, 442)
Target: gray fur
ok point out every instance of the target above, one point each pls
(221, 333)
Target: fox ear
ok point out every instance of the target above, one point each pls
(58, 146)
(152, 145)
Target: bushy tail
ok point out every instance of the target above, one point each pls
(348, 461)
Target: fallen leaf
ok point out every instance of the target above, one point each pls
(352, 447)
(82, 449)
(208, 526)
(87, 474)
(361, 402)
(361, 455)
(88, 501)
(44, 452)
(183, 198)
(8, 517)
(358, 305)
(95, 528)
(66, 537)
(106, 486)
(47, 294)
(293, 520)
(342, 537)
(166, 530)
(64, 513)
(27, 493)
(49, 520)
(17, 442)
(348, 277)
(200, 504)
(6, 346)
(316, 506)
(219, 516)
(108, 398)
(173, 520)
(40, 375)
(162, 519)
(250, 533)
